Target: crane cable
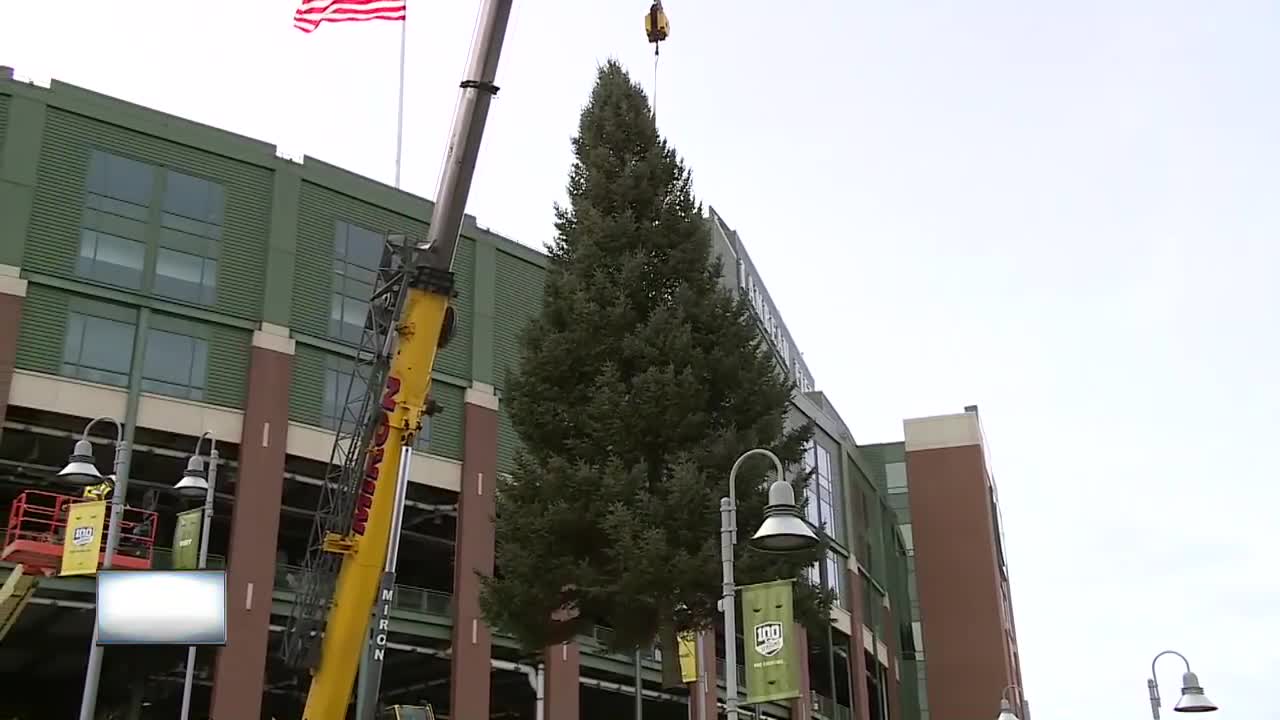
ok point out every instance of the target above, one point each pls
(656, 29)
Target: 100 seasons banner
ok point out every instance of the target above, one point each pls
(81, 544)
(770, 642)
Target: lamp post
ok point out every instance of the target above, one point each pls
(193, 484)
(82, 472)
(1006, 708)
(1192, 700)
(783, 530)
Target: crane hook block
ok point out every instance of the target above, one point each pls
(656, 25)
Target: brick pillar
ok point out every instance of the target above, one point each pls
(894, 689)
(802, 707)
(473, 556)
(12, 291)
(710, 694)
(255, 526)
(562, 691)
(857, 650)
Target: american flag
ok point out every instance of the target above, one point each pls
(313, 12)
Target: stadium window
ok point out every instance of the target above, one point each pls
(357, 254)
(175, 364)
(98, 349)
(190, 239)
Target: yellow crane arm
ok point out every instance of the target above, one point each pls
(365, 550)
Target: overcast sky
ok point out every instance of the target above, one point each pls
(1067, 213)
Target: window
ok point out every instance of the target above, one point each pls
(190, 235)
(339, 375)
(908, 542)
(113, 230)
(822, 507)
(118, 228)
(357, 255)
(175, 365)
(897, 477)
(98, 349)
(837, 576)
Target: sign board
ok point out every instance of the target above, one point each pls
(186, 539)
(770, 642)
(162, 607)
(83, 541)
(687, 643)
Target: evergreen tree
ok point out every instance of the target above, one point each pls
(642, 380)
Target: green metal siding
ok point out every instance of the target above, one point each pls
(456, 359)
(306, 392)
(446, 425)
(4, 117)
(228, 366)
(518, 290)
(41, 335)
(53, 237)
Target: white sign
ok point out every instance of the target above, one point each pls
(769, 638)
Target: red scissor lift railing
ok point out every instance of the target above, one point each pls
(38, 524)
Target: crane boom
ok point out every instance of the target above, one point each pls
(367, 497)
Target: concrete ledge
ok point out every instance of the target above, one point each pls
(275, 338)
(842, 620)
(66, 396)
(77, 398)
(12, 282)
(482, 395)
(186, 417)
(432, 470)
(942, 431)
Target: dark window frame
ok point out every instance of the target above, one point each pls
(149, 218)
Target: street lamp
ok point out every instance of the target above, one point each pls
(1192, 700)
(783, 530)
(193, 484)
(81, 471)
(1006, 707)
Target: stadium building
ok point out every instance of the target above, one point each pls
(181, 280)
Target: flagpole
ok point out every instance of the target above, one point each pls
(404, 24)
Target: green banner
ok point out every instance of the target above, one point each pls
(186, 539)
(770, 642)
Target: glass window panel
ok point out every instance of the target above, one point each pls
(183, 276)
(187, 242)
(112, 206)
(108, 345)
(364, 247)
(175, 364)
(423, 442)
(121, 178)
(111, 259)
(192, 227)
(97, 349)
(169, 357)
(209, 282)
(112, 224)
(192, 197)
(73, 340)
(896, 475)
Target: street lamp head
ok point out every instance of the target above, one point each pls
(80, 469)
(783, 529)
(193, 483)
(1193, 699)
(1006, 711)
